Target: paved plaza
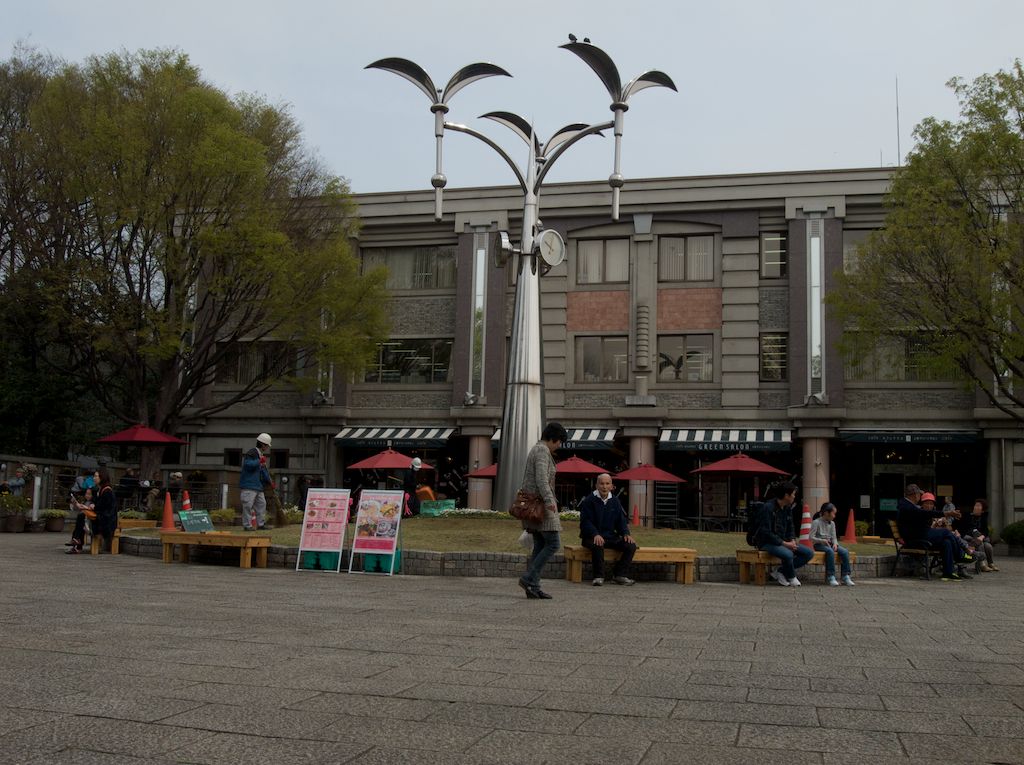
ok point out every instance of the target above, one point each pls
(128, 660)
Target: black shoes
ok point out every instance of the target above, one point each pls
(533, 593)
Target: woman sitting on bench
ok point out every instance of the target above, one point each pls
(86, 513)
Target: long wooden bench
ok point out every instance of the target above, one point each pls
(95, 545)
(757, 561)
(922, 552)
(247, 544)
(684, 559)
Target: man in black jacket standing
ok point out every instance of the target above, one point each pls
(603, 526)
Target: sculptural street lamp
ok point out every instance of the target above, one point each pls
(523, 414)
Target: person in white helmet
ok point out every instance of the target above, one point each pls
(410, 482)
(255, 476)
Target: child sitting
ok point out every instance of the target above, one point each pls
(823, 536)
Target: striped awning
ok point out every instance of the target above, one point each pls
(424, 436)
(579, 438)
(725, 439)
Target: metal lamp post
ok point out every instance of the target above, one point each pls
(522, 417)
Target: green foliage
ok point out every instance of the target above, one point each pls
(945, 274)
(53, 513)
(860, 528)
(132, 515)
(1013, 534)
(292, 513)
(155, 223)
(11, 505)
(225, 516)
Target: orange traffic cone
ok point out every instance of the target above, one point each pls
(636, 515)
(168, 520)
(850, 536)
(186, 503)
(805, 528)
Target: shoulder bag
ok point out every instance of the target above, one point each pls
(528, 507)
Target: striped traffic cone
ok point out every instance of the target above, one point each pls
(805, 528)
(186, 503)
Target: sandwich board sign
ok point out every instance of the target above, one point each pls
(324, 522)
(195, 520)
(377, 520)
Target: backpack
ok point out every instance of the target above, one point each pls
(755, 519)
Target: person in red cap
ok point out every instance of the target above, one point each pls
(914, 524)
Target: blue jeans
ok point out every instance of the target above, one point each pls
(830, 559)
(545, 544)
(791, 559)
(944, 539)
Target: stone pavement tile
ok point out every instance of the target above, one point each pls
(367, 706)
(1001, 751)
(75, 756)
(580, 684)
(731, 711)
(898, 722)
(523, 747)
(813, 668)
(979, 691)
(499, 717)
(618, 704)
(966, 705)
(819, 740)
(682, 689)
(230, 693)
(591, 658)
(654, 729)
(846, 758)
(655, 666)
(14, 717)
(888, 687)
(702, 754)
(374, 686)
(98, 735)
(237, 749)
(951, 673)
(752, 680)
(495, 666)
(441, 675)
(258, 721)
(997, 727)
(134, 706)
(406, 734)
(827, 702)
(388, 756)
(478, 694)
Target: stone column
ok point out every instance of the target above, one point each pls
(641, 450)
(815, 490)
(479, 490)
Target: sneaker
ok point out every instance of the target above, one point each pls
(794, 582)
(625, 580)
(848, 581)
(779, 577)
(951, 578)
(832, 582)
(598, 581)
(956, 576)
(964, 575)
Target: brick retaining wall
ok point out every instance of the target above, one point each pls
(427, 563)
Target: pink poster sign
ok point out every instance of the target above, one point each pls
(377, 520)
(325, 520)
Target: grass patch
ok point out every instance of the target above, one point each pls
(474, 534)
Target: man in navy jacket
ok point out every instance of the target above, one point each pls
(603, 526)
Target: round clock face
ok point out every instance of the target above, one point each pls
(552, 248)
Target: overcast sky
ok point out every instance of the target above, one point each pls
(763, 86)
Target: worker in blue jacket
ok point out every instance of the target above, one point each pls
(603, 526)
(254, 479)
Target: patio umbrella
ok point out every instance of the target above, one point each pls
(388, 459)
(574, 465)
(739, 463)
(649, 473)
(139, 435)
(485, 472)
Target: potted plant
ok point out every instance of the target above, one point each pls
(53, 519)
(1013, 536)
(13, 510)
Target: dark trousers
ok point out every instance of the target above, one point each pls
(78, 535)
(948, 543)
(622, 565)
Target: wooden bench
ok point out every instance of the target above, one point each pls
(95, 544)
(247, 544)
(683, 558)
(759, 562)
(922, 552)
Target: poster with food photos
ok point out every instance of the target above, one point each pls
(324, 522)
(377, 519)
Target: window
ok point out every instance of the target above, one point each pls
(852, 242)
(898, 359)
(602, 261)
(774, 356)
(774, 260)
(686, 358)
(601, 359)
(413, 361)
(413, 268)
(245, 363)
(686, 258)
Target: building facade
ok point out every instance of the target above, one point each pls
(692, 328)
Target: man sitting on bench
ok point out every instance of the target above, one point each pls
(914, 524)
(776, 535)
(603, 525)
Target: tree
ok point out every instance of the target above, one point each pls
(172, 227)
(944, 276)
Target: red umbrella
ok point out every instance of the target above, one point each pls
(388, 459)
(739, 463)
(139, 435)
(649, 473)
(581, 467)
(485, 472)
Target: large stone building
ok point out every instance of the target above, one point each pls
(692, 328)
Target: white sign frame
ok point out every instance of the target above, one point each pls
(324, 503)
(373, 513)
